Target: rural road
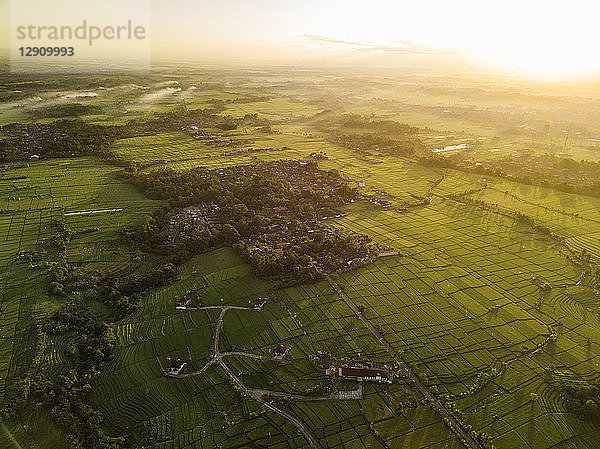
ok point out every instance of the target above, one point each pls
(257, 396)
(254, 393)
(435, 403)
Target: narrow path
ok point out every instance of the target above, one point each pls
(226, 308)
(218, 332)
(434, 402)
(334, 395)
(10, 436)
(253, 393)
(252, 356)
(194, 373)
(295, 421)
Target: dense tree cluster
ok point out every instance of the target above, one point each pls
(61, 138)
(306, 256)
(66, 110)
(65, 398)
(584, 400)
(123, 295)
(375, 125)
(367, 142)
(245, 191)
(275, 207)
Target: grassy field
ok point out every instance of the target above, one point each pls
(31, 199)
(205, 410)
(458, 303)
(461, 300)
(275, 109)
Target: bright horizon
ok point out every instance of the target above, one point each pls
(523, 37)
(531, 38)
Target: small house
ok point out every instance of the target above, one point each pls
(188, 300)
(280, 352)
(182, 303)
(176, 366)
(258, 303)
(385, 250)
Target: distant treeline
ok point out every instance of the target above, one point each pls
(560, 173)
(66, 110)
(563, 174)
(400, 139)
(76, 137)
(19, 86)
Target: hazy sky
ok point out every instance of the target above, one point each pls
(531, 37)
(548, 37)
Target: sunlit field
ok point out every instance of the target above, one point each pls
(488, 294)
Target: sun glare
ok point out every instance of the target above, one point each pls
(530, 37)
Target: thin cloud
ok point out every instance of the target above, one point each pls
(331, 40)
(399, 47)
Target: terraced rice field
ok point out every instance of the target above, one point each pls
(206, 410)
(181, 151)
(461, 299)
(459, 302)
(576, 217)
(31, 199)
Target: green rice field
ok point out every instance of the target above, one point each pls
(493, 314)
